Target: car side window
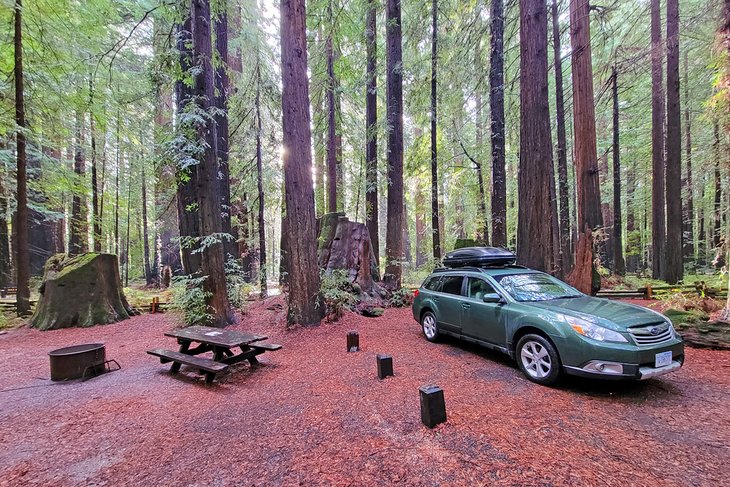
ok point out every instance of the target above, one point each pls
(432, 284)
(477, 288)
(451, 284)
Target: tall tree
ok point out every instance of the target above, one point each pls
(371, 130)
(78, 238)
(222, 89)
(305, 305)
(333, 155)
(260, 183)
(213, 259)
(689, 211)
(22, 258)
(394, 96)
(674, 268)
(658, 221)
(562, 147)
(717, 203)
(149, 278)
(435, 227)
(537, 220)
(95, 214)
(619, 263)
(496, 109)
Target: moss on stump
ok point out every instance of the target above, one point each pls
(80, 291)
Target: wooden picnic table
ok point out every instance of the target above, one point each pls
(218, 341)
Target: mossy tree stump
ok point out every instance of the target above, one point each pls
(80, 291)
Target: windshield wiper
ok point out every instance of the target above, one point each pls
(568, 296)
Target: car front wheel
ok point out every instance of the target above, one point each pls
(538, 359)
(430, 326)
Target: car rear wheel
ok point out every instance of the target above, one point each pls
(538, 359)
(430, 326)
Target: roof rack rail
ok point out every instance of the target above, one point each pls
(478, 268)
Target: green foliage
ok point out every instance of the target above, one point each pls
(189, 301)
(238, 288)
(337, 292)
(401, 298)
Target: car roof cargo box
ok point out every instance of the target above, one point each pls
(479, 257)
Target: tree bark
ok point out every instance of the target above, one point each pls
(305, 304)
(618, 247)
(22, 258)
(496, 108)
(116, 195)
(717, 203)
(537, 221)
(371, 131)
(435, 217)
(78, 239)
(394, 96)
(562, 147)
(674, 268)
(213, 258)
(658, 224)
(260, 185)
(332, 153)
(95, 216)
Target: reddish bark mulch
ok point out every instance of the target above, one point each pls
(313, 414)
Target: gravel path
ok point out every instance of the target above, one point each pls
(313, 414)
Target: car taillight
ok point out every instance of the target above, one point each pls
(415, 293)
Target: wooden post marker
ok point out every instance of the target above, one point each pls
(433, 407)
(385, 366)
(353, 341)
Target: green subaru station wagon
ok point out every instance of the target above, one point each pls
(547, 326)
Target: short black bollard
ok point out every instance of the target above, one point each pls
(385, 366)
(353, 341)
(433, 407)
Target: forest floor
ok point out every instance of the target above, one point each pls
(313, 414)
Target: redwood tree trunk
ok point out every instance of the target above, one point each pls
(22, 258)
(496, 109)
(95, 214)
(618, 248)
(689, 212)
(562, 147)
(435, 217)
(674, 269)
(537, 221)
(260, 186)
(658, 223)
(305, 304)
(149, 278)
(213, 259)
(78, 242)
(394, 234)
(371, 124)
(332, 162)
(717, 206)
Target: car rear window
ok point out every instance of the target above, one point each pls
(432, 283)
(451, 284)
(479, 287)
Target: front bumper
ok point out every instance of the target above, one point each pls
(623, 371)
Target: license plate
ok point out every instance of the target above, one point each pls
(663, 359)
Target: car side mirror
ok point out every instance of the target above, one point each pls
(492, 298)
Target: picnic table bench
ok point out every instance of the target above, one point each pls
(220, 342)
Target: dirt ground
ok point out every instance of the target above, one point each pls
(313, 414)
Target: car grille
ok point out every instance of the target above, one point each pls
(652, 333)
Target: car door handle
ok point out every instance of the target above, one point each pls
(465, 305)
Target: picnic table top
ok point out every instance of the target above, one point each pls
(215, 336)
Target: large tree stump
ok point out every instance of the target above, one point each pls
(80, 291)
(346, 245)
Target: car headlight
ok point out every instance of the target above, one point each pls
(593, 331)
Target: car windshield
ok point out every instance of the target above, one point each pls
(536, 287)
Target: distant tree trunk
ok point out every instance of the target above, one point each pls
(5, 275)
(496, 108)
(702, 238)
(22, 258)
(305, 306)
(537, 221)
(435, 217)
(213, 258)
(717, 205)
(129, 220)
(95, 217)
(116, 195)
(618, 247)
(658, 223)
(260, 186)
(483, 233)
(421, 231)
(187, 178)
(689, 211)
(222, 88)
(332, 153)
(724, 37)
(371, 124)
(394, 96)
(149, 278)
(674, 269)
(78, 241)
(562, 148)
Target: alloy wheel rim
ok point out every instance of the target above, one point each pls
(535, 359)
(429, 326)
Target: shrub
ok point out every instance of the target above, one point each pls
(189, 300)
(238, 288)
(401, 298)
(337, 292)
